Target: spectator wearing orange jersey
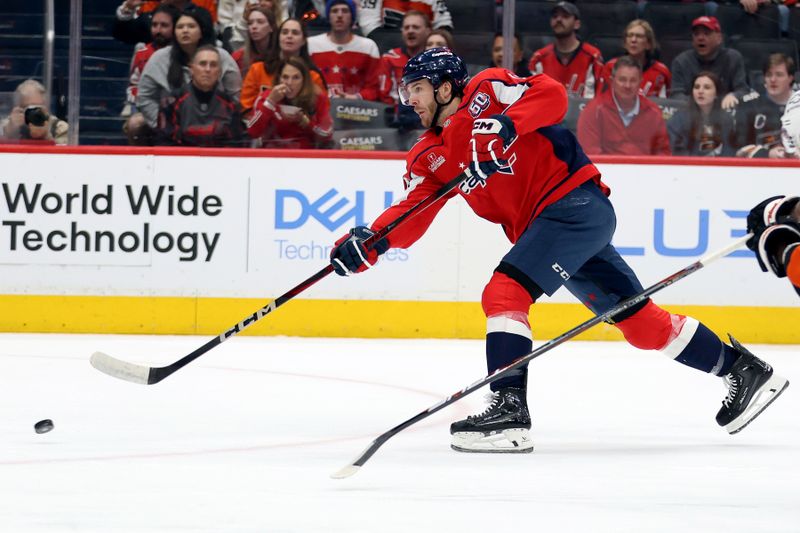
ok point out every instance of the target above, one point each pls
(292, 42)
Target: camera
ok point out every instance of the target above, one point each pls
(36, 115)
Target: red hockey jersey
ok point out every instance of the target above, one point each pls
(546, 161)
(390, 73)
(656, 79)
(140, 58)
(350, 68)
(581, 74)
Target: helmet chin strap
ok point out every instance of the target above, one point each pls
(439, 107)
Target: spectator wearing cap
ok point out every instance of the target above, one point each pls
(520, 65)
(349, 63)
(708, 54)
(639, 41)
(758, 117)
(415, 31)
(389, 14)
(576, 64)
(621, 121)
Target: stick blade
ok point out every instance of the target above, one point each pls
(120, 369)
(345, 472)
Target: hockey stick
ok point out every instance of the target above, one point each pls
(353, 467)
(148, 375)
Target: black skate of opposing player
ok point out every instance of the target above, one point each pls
(752, 386)
(501, 428)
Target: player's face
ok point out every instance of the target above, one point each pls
(161, 29)
(187, 31)
(704, 91)
(777, 81)
(497, 52)
(436, 41)
(414, 31)
(705, 41)
(341, 19)
(293, 79)
(291, 38)
(636, 41)
(258, 27)
(563, 24)
(419, 94)
(206, 70)
(626, 83)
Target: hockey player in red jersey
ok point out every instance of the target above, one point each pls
(530, 175)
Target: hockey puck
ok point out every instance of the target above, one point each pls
(43, 426)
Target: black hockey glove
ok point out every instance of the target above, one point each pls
(490, 136)
(770, 211)
(350, 256)
(775, 246)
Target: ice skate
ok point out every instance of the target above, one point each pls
(501, 428)
(752, 386)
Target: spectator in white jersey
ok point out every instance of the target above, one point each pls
(758, 117)
(390, 14)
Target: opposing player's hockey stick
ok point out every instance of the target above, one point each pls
(148, 375)
(353, 467)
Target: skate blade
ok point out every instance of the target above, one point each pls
(503, 441)
(767, 394)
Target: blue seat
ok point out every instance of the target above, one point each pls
(473, 16)
(756, 51)
(737, 23)
(533, 17)
(475, 48)
(608, 19)
(104, 67)
(104, 88)
(20, 23)
(609, 45)
(102, 124)
(102, 107)
(672, 19)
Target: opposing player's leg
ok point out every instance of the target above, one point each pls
(606, 279)
(565, 235)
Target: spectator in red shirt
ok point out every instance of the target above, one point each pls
(576, 64)
(639, 41)
(161, 28)
(622, 121)
(295, 113)
(349, 63)
(201, 114)
(261, 41)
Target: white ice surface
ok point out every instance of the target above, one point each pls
(245, 438)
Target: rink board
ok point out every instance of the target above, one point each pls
(164, 241)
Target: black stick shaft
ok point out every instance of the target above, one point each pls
(159, 373)
(546, 347)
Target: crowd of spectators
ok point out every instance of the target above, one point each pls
(268, 73)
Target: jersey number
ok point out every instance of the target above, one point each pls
(479, 104)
